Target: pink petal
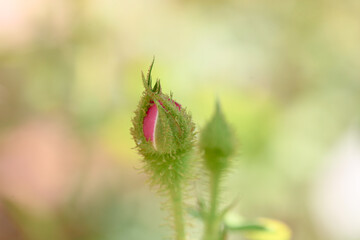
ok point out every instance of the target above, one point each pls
(149, 123)
(178, 105)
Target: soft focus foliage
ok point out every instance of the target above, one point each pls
(286, 72)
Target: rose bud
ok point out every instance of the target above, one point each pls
(163, 133)
(217, 142)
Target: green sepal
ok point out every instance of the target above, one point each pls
(157, 87)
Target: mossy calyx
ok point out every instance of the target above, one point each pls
(164, 134)
(217, 142)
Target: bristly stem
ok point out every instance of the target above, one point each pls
(212, 225)
(177, 204)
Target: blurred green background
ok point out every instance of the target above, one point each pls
(286, 72)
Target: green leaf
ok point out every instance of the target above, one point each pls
(247, 227)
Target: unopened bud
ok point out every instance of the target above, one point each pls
(163, 132)
(217, 142)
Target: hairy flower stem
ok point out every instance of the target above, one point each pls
(212, 225)
(177, 204)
